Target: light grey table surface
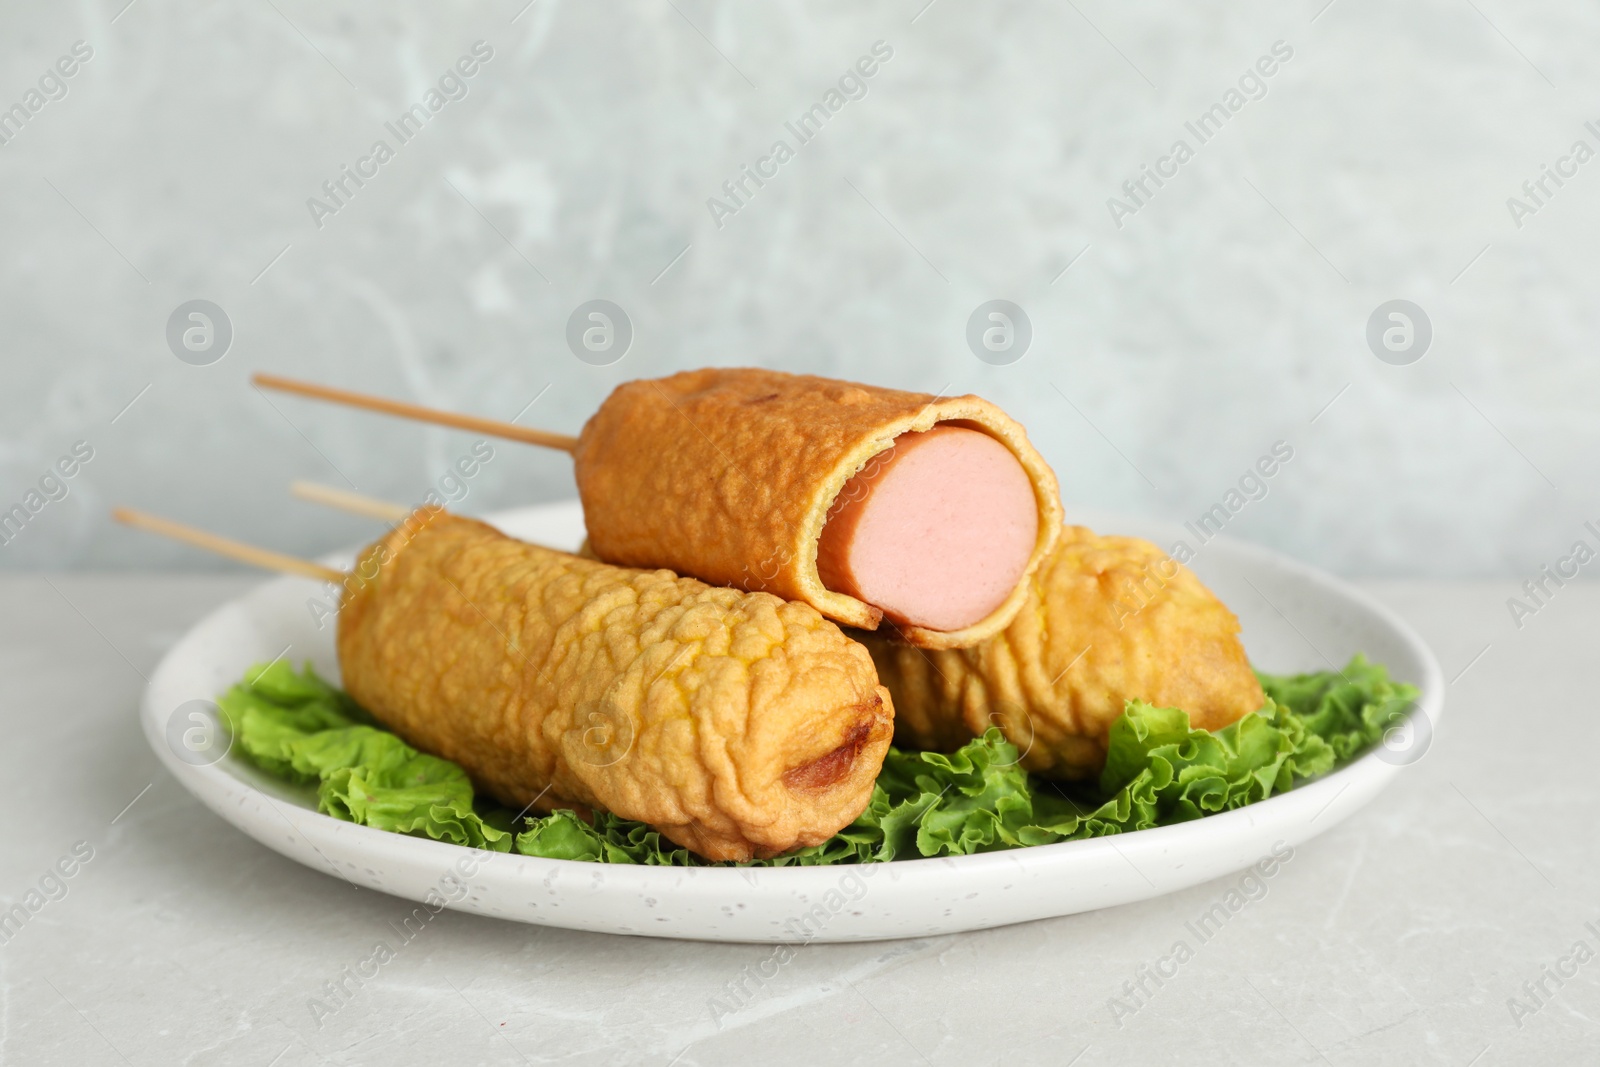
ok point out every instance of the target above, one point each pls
(1399, 937)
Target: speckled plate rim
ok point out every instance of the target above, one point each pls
(911, 898)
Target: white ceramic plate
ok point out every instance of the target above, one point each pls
(1295, 618)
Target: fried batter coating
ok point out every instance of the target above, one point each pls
(738, 724)
(729, 475)
(1107, 620)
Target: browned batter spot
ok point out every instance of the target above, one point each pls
(834, 767)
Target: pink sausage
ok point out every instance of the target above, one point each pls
(935, 532)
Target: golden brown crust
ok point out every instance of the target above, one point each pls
(728, 474)
(1107, 620)
(559, 681)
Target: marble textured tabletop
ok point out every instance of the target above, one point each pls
(1441, 925)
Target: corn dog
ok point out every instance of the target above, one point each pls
(931, 511)
(1106, 620)
(865, 503)
(737, 724)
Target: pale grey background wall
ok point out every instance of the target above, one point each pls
(1226, 314)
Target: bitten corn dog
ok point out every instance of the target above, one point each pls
(737, 724)
(735, 476)
(865, 503)
(1107, 620)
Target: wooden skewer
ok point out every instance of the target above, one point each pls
(354, 503)
(492, 427)
(223, 546)
(370, 507)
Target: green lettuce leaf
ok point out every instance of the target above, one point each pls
(298, 727)
(1159, 771)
